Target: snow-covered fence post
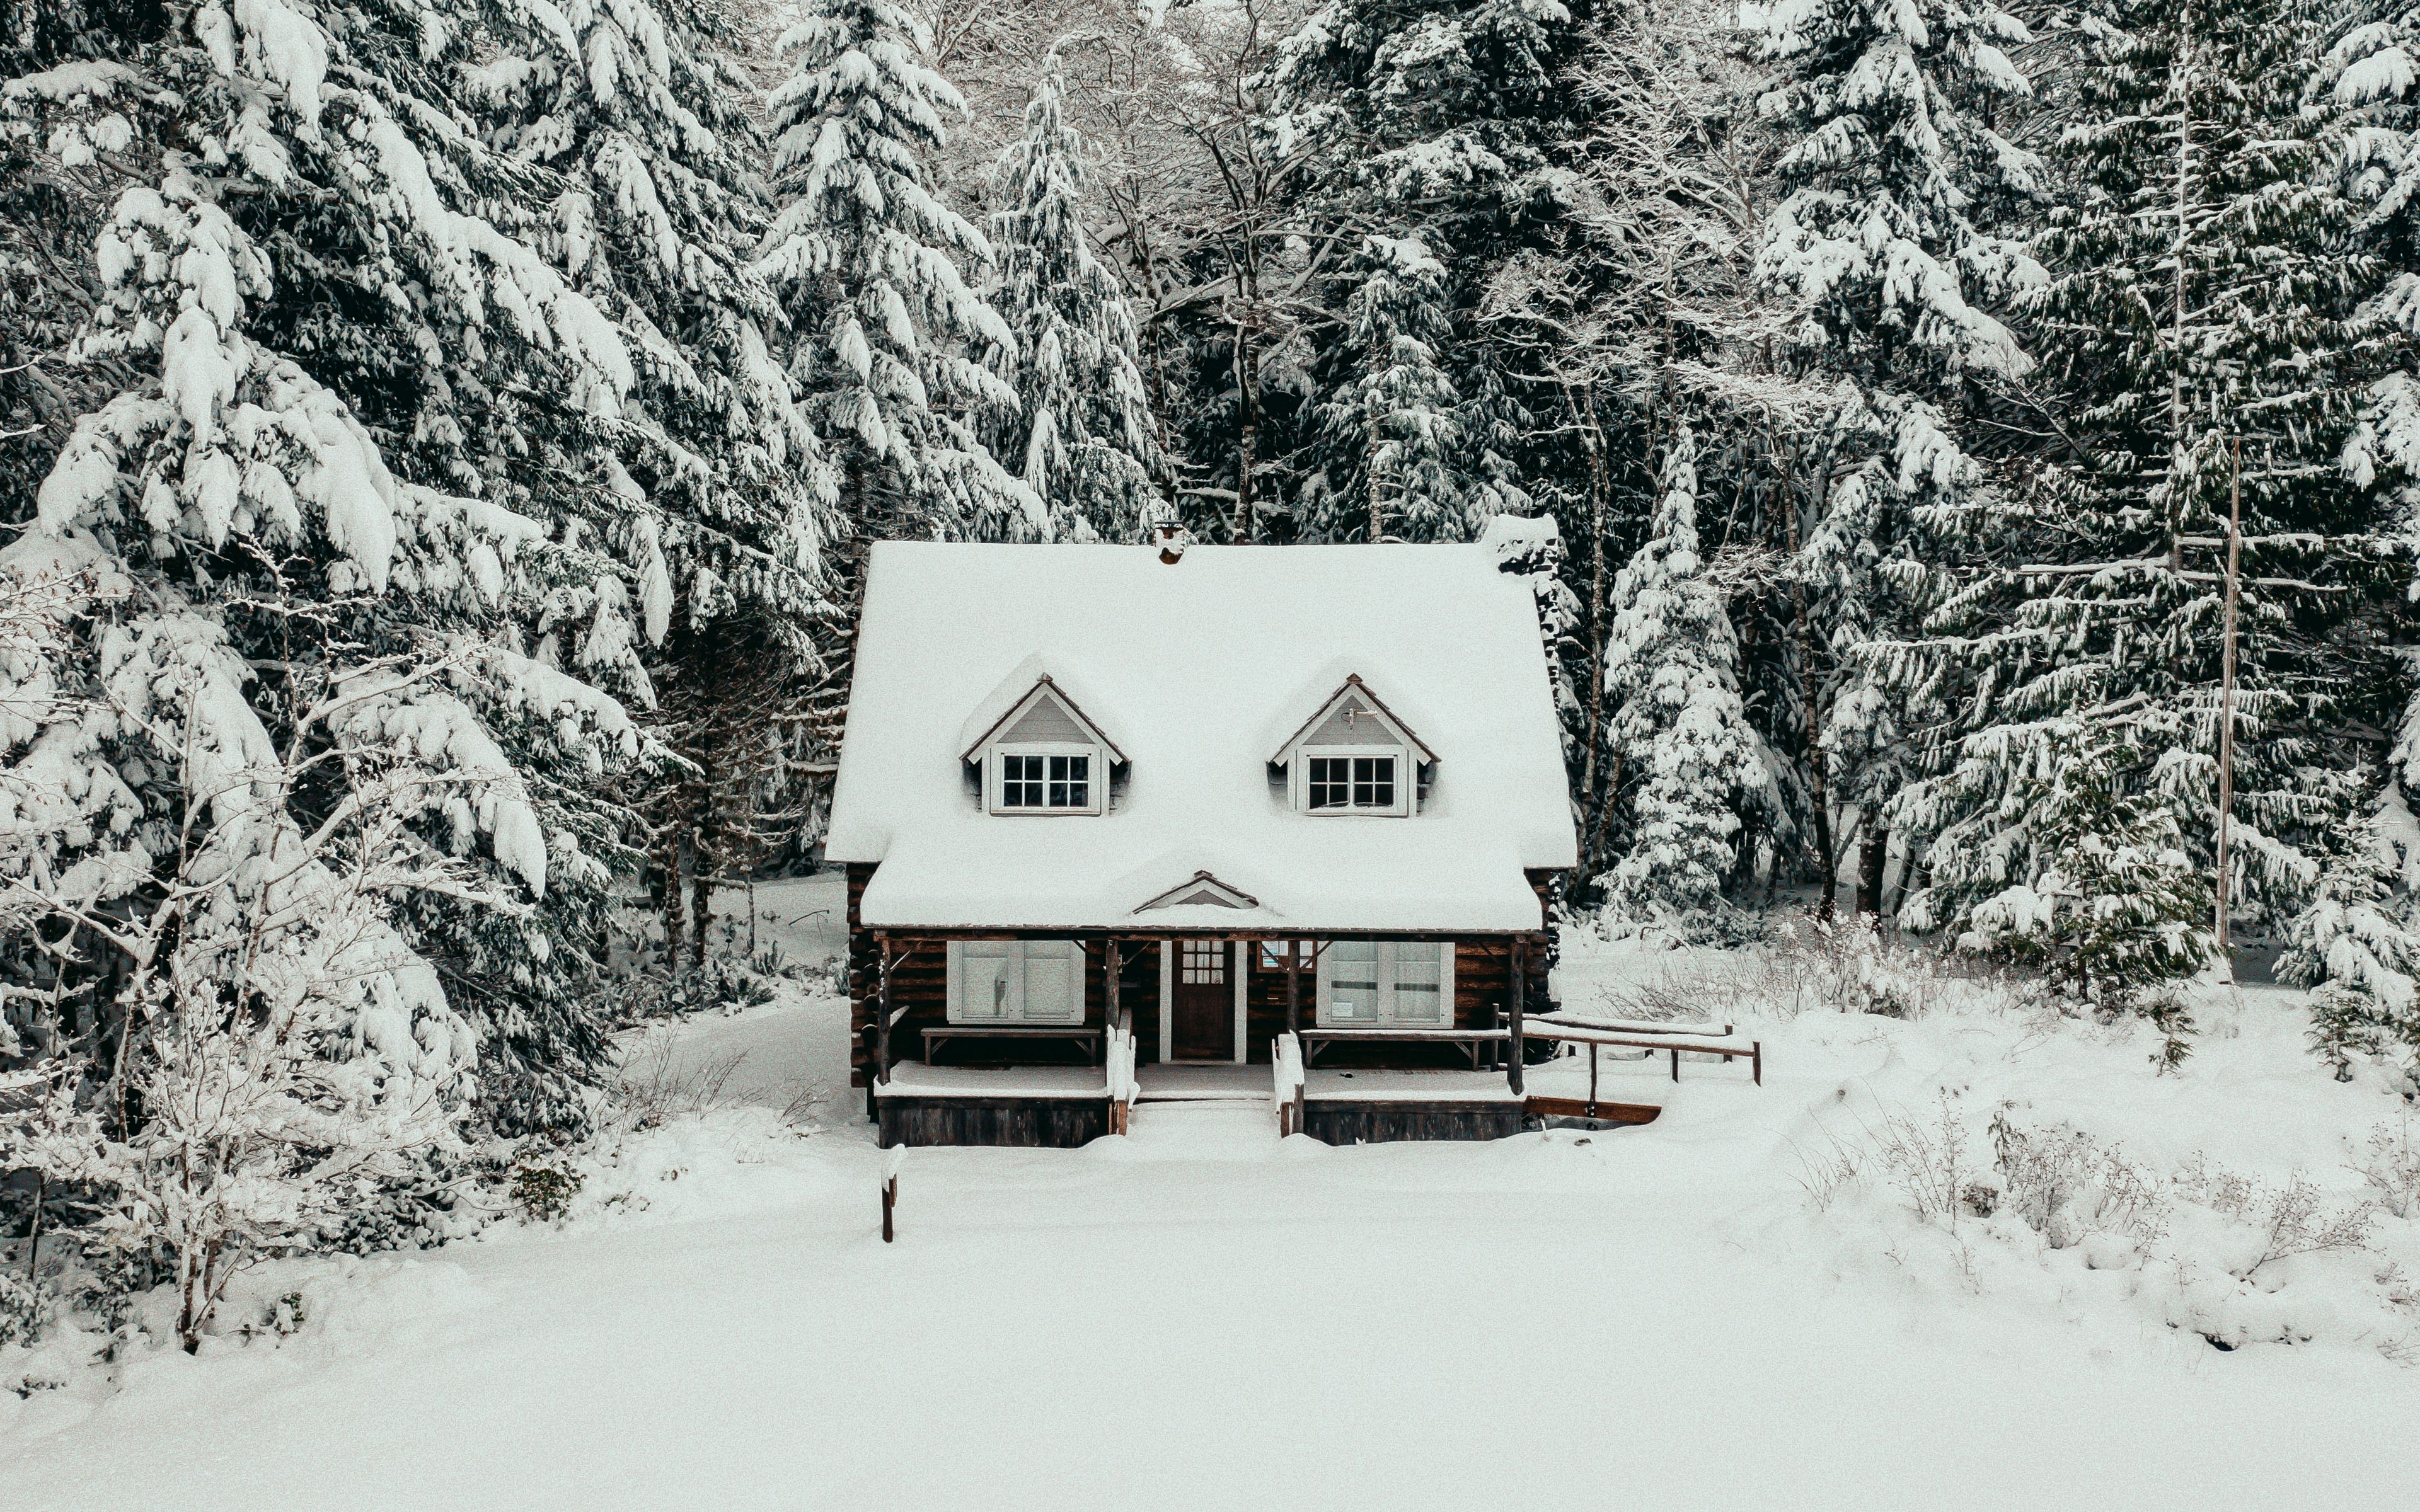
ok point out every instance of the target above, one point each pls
(1285, 1062)
(890, 1193)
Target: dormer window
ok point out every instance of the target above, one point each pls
(1365, 783)
(1044, 781)
(1353, 756)
(1035, 752)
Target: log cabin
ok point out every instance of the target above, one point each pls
(1179, 804)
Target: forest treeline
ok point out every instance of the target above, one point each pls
(1963, 457)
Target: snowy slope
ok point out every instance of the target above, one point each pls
(1200, 1317)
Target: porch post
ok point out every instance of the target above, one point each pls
(1293, 986)
(882, 1014)
(1111, 1000)
(1520, 989)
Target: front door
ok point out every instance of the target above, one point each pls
(1204, 1014)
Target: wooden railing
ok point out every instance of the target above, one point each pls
(1285, 1062)
(1119, 1058)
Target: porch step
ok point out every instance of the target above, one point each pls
(1208, 1128)
(1201, 1084)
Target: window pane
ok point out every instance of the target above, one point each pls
(1374, 782)
(1020, 782)
(1353, 982)
(1079, 781)
(1329, 782)
(1420, 981)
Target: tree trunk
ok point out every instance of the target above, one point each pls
(1247, 435)
(1873, 855)
(1592, 442)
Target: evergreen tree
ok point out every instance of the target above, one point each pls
(715, 488)
(2203, 284)
(2357, 944)
(278, 632)
(898, 354)
(1393, 450)
(1691, 760)
(2119, 911)
(1876, 248)
(1089, 442)
(1443, 117)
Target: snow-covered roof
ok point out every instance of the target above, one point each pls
(1197, 668)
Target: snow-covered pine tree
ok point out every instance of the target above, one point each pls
(715, 488)
(2203, 280)
(231, 515)
(1689, 758)
(1390, 457)
(1530, 547)
(1875, 245)
(2119, 912)
(1084, 427)
(1441, 118)
(900, 357)
(2357, 944)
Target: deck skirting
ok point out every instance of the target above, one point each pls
(1370, 1121)
(1001, 1122)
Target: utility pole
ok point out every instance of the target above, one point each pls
(2226, 687)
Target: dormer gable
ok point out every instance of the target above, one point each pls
(1201, 891)
(1354, 755)
(1040, 753)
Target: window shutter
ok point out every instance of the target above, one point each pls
(1422, 982)
(1053, 982)
(990, 984)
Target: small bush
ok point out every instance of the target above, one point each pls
(2064, 1186)
(2293, 1219)
(25, 1309)
(545, 1193)
(2391, 1165)
(654, 1084)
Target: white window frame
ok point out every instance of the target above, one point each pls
(1406, 776)
(995, 770)
(1021, 951)
(1387, 1019)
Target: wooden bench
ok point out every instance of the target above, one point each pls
(1087, 1035)
(1471, 1041)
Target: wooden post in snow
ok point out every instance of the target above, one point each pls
(1520, 989)
(1109, 1000)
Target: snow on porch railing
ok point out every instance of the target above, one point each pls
(1286, 1060)
(1120, 1062)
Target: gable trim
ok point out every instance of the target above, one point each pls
(1015, 711)
(1352, 682)
(1221, 895)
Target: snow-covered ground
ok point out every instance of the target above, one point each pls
(1701, 1312)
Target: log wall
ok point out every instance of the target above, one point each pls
(1482, 981)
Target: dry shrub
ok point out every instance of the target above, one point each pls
(2063, 1185)
(2293, 1219)
(654, 1084)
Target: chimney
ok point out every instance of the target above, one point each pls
(1159, 519)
